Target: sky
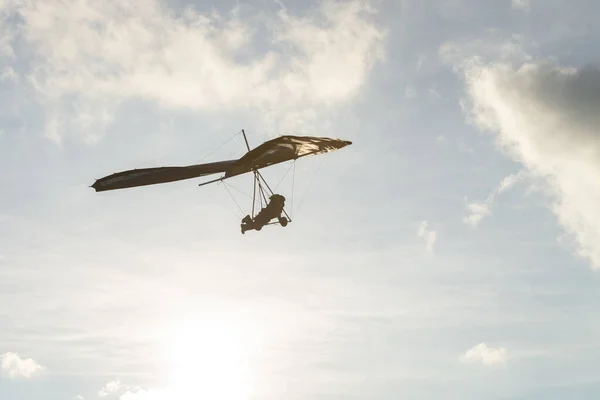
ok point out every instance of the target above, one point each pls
(451, 252)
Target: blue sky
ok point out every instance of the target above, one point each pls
(450, 253)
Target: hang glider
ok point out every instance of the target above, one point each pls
(272, 152)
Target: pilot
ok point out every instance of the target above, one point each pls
(272, 210)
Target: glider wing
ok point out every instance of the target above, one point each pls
(275, 151)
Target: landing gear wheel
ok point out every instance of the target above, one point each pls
(283, 221)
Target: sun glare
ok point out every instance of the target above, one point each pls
(211, 358)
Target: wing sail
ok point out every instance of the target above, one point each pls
(282, 149)
(275, 151)
(152, 176)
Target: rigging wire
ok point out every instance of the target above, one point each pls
(284, 175)
(218, 147)
(239, 190)
(234, 200)
(224, 207)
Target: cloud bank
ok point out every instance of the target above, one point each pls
(86, 57)
(546, 117)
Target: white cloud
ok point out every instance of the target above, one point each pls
(119, 50)
(109, 388)
(547, 118)
(428, 236)
(15, 367)
(511, 180)
(485, 355)
(479, 210)
(521, 4)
